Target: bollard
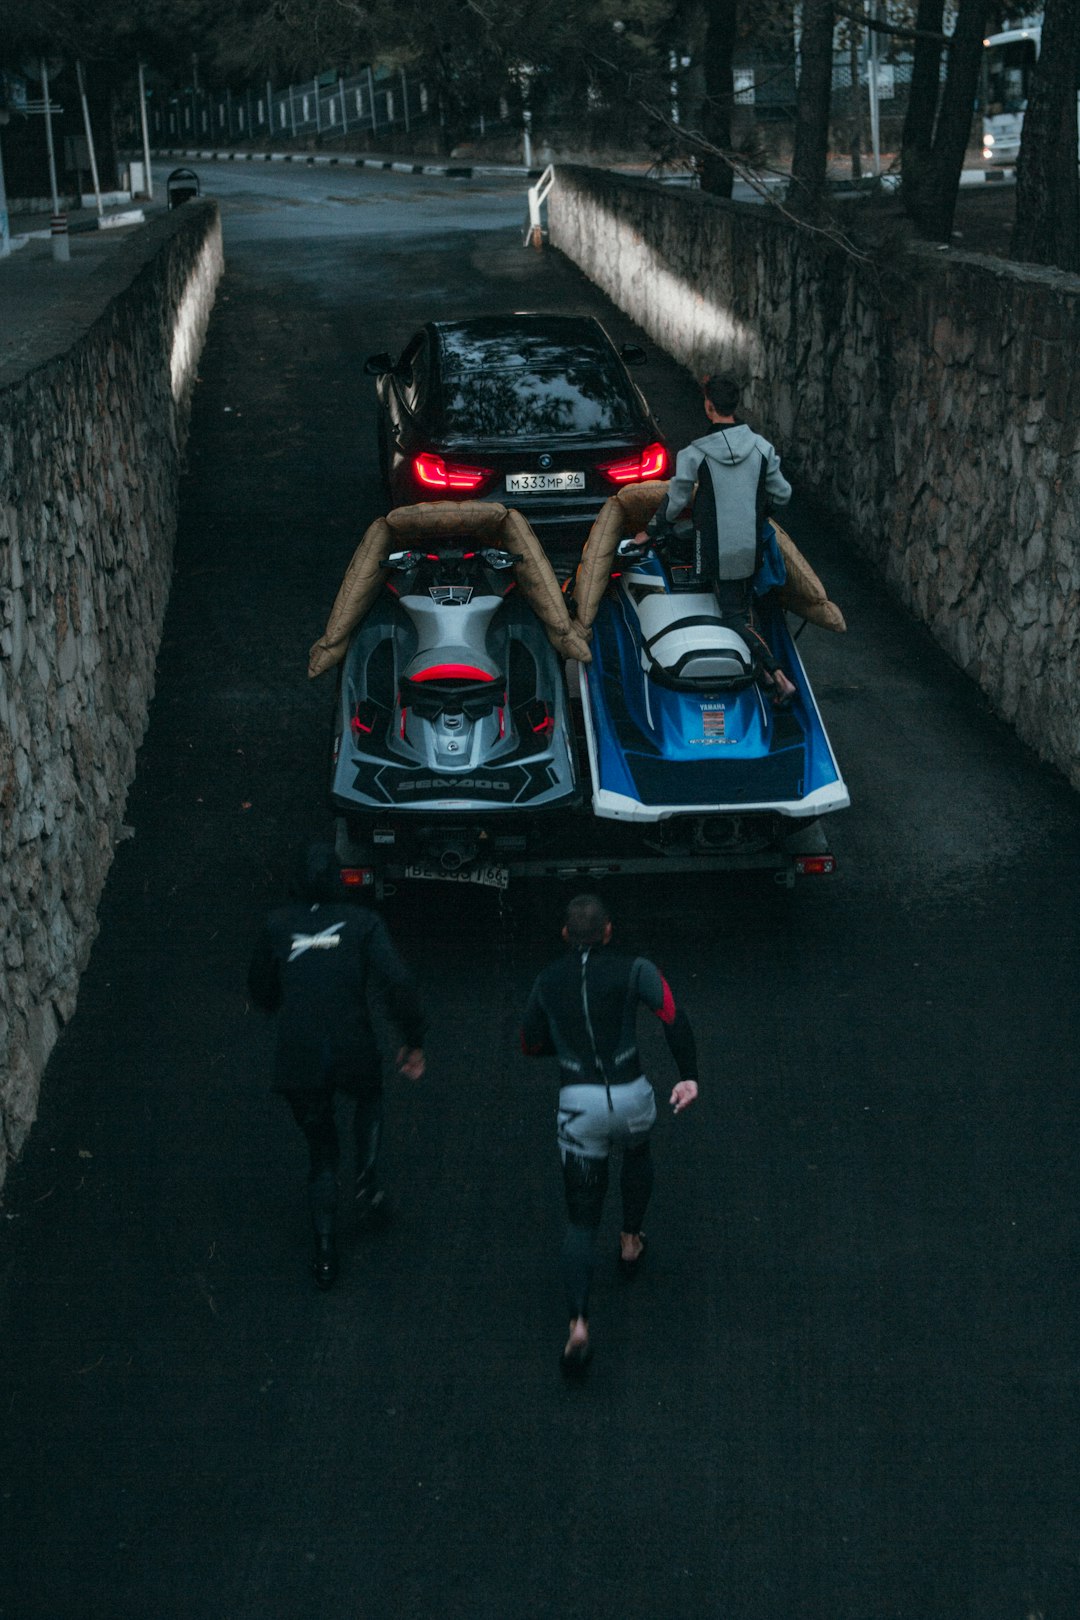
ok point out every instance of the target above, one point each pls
(181, 186)
(61, 242)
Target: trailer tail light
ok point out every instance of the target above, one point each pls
(435, 473)
(648, 463)
(358, 877)
(815, 865)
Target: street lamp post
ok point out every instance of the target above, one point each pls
(89, 140)
(148, 180)
(61, 242)
(874, 88)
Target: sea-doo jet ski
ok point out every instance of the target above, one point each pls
(452, 727)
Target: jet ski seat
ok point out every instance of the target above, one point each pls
(687, 644)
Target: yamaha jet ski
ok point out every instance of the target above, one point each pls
(452, 729)
(683, 736)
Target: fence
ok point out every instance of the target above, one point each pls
(378, 101)
(372, 102)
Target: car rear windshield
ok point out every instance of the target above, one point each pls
(534, 404)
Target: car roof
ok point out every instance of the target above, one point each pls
(520, 340)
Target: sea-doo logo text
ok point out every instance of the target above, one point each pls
(456, 785)
(325, 941)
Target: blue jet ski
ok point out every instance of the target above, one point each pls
(681, 727)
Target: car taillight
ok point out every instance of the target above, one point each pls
(648, 463)
(435, 473)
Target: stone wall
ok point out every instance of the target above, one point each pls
(936, 407)
(91, 440)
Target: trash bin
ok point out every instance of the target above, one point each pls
(181, 186)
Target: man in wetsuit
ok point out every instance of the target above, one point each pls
(583, 1009)
(738, 480)
(313, 966)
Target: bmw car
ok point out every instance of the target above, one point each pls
(536, 411)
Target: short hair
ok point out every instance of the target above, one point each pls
(723, 391)
(586, 919)
(320, 875)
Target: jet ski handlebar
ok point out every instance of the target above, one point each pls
(655, 537)
(405, 561)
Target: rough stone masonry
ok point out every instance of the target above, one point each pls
(934, 403)
(91, 441)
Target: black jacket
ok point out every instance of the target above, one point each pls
(313, 967)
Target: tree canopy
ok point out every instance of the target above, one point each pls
(645, 72)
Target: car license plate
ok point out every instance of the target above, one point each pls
(543, 483)
(485, 877)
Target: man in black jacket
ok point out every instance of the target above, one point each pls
(583, 1010)
(313, 966)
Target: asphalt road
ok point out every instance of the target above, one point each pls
(845, 1385)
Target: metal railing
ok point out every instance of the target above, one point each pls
(368, 102)
(538, 196)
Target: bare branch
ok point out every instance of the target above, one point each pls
(756, 179)
(877, 25)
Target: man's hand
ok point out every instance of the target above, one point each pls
(683, 1095)
(410, 1062)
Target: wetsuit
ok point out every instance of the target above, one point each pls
(313, 966)
(583, 1010)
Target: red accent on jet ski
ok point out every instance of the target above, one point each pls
(453, 672)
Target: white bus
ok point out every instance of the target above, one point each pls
(1008, 59)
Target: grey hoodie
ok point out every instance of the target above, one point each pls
(735, 455)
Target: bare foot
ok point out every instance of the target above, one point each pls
(579, 1336)
(631, 1244)
(784, 688)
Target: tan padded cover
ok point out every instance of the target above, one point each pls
(802, 592)
(485, 521)
(623, 514)
(627, 513)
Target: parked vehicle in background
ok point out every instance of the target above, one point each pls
(536, 411)
(1008, 60)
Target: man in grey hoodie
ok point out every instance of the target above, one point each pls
(738, 480)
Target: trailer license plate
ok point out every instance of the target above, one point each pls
(543, 483)
(485, 877)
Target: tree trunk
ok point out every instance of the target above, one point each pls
(1047, 227)
(720, 30)
(812, 104)
(940, 182)
(917, 141)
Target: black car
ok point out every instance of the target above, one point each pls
(536, 411)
